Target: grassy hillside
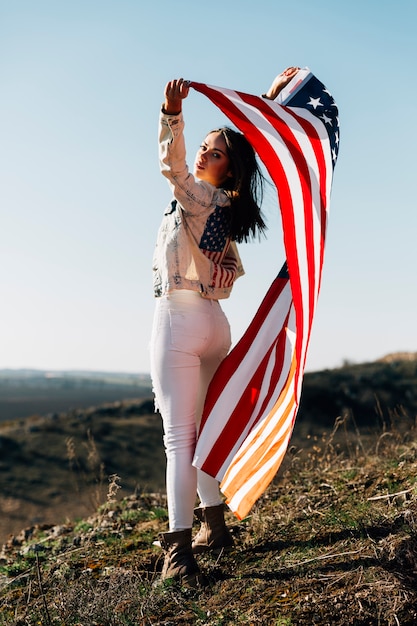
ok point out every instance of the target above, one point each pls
(57, 467)
(333, 541)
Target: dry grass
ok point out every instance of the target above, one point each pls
(333, 541)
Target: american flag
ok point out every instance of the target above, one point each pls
(252, 401)
(215, 244)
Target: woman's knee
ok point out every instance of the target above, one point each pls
(180, 439)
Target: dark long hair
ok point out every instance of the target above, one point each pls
(246, 187)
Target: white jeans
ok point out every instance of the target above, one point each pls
(190, 337)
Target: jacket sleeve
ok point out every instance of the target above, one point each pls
(196, 197)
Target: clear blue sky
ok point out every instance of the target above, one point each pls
(81, 196)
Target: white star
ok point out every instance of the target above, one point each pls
(326, 120)
(315, 102)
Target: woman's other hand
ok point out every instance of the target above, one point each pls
(280, 81)
(175, 92)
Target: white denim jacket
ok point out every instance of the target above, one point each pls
(193, 250)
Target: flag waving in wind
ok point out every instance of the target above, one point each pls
(252, 401)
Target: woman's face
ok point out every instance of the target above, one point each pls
(212, 163)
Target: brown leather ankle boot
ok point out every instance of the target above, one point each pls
(179, 563)
(213, 534)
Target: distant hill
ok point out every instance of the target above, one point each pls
(372, 394)
(24, 393)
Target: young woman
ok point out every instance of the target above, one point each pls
(196, 263)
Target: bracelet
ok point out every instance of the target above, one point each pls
(166, 112)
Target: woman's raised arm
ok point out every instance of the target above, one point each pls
(279, 82)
